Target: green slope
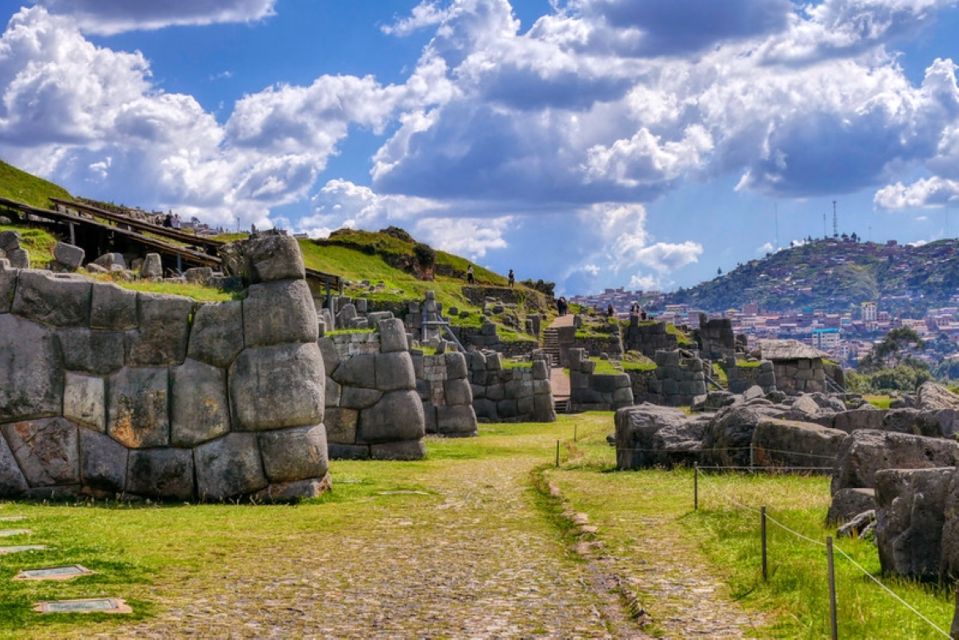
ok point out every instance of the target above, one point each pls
(29, 189)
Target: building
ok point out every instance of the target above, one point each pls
(826, 339)
(869, 312)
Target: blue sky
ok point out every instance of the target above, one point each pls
(638, 143)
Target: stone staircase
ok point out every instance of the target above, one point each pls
(551, 345)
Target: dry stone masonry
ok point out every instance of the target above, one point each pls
(510, 393)
(442, 381)
(590, 391)
(105, 391)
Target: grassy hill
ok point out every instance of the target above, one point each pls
(834, 275)
(29, 189)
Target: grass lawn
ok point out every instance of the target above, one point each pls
(23, 187)
(38, 242)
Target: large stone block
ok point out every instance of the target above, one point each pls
(103, 462)
(867, 417)
(331, 358)
(485, 409)
(910, 515)
(278, 313)
(31, 378)
(359, 398)
(640, 443)
(544, 409)
(357, 371)
(294, 454)
(113, 308)
(90, 351)
(339, 451)
(787, 443)
(265, 257)
(456, 420)
(12, 482)
(456, 367)
(228, 467)
(217, 334)
(729, 435)
(393, 336)
(68, 256)
(394, 371)
(165, 474)
(46, 451)
(61, 299)
(8, 285)
(84, 401)
(277, 387)
(137, 414)
(398, 416)
(406, 450)
(163, 333)
(295, 491)
(458, 392)
(341, 425)
(865, 452)
(200, 408)
(848, 503)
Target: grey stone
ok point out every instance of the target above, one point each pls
(217, 334)
(58, 299)
(406, 450)
(341, 425)
(455, 365)
(345, 316)
(277, 387)
(848, 503)
(68, 256)
(540, 370)
(485, 409)
(393, 336)
(279, 312)
(507, 408)
(728, 437)
(525, 406)
(8, 285)
(228, 467)
(398, 416)
(804, 405)
(199, 275)
(331, 358)
(265, 257)
(477, 361)
(359, 398)
(12, 482)
(338, 451)
(333, 393)
(103, 462)
(31, 383)
(637, 445)
(9, 240)
(163, 333)
(110, 260)
(933, 397)
(358, 371)
(91, 351)
(46, 450)
(394, 371)
(84, 401)
(294, 454)
(294, 491)
(950, 531)
(910, 515)
(494, 362)
(200, 409)
(458, 392)
(152, 267)
(19, 258)
(753, 393)
(865, 452)
(113, 308)
(788, 443)
(160, 473)
(137, 413)
(865, 417)
(856, 526)
(456, 420)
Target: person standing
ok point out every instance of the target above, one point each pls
(512, 279)
(470, 279)
(610, 312)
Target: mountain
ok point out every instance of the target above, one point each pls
(26, 188)
(834, 275)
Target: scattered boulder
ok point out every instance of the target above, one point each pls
(110, 260)
(865, 452)
(67, 256)
(647, 435)
(152, 267)
(787, 443)
(934, 397)
(865, 417)
(728, 437)
(858, 526)
(848, 503)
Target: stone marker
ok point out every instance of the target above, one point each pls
(86, 605)
(5, 551)
(54, 573)
(9, 533)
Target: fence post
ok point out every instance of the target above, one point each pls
(557, 454)
(833, 622)
(762, 530)
(752, 458)
(574, 432)
(695, 486)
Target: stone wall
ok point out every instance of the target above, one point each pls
(442, 381)
(372, 407)
(679, 379)
(715, 337)
(510, 394)
(742, 378)
(106, 391)
(596, 345)
(645, 386)
(800, 376)
(648, 337)
(590, 391)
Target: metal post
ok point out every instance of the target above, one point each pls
(833, 621)
(179, 263)
(695, 486)
(557, 453)
(752, 457)
(574, 432)
(73, 234)
(762, 529)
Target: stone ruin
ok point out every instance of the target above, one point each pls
(10, 250)
(105, 391)
(648, 337)
(715, 337)
(591, 391)
(510, 393)
(442, 381)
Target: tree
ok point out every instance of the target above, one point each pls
(719, 271)
(894, 350)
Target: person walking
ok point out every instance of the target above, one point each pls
(610, 312)
(470, 279)
(512, 279)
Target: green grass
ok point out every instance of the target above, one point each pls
(517, 364)
(197, 292)
(629, 365)
(38, 242)
(681, 336)
(879, 401)
(719, 374)
(605, 368)
(748, 364)
(346, 332)
(28, 189)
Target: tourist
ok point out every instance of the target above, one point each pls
(511, 278)
(561, 306)
(469, 275)
(176, 220)
(642, 314)
(168, 221)
(610, 312)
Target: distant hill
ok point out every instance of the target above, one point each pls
(834, 275)
(26, 188)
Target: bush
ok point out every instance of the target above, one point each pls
(425, 255)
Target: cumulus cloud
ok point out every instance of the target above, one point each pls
(425, 14)
(924, 193)
(108, 17)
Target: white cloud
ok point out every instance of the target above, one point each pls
(108, 17)
(924, 193)
(644, 282)
(765, 248)
(425, 14)
(592, 269)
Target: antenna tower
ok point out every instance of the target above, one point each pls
(835, 221)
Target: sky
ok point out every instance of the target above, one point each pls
(593, 143)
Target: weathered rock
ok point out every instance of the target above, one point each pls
(9, 241)
(393, 336)
(455, 365)
(543, 409)
(806, 406)
(277, 387)
(848, 503)
(217, 334)
(103, 462)
(137, 414)
(46, 450)
(200, 409)
(165, 474)
(398, 416)
(12, 482)
(228, 467)
(31, 384)
(407, 450)
(787, 443)
(950, 531)
(753, 393)
(84, 401)
(458, 392)
(637, 428)
(152, 267)
(199, 275)
(865, 417)
(856, 526)
(933, 397)
(910, 421)
(865, 452)
(8, 285)
(341, 425)
(909, 520)
(58, 299)
(358, 371)
(163, 333)
(456, 420)
(19, 258)
(394, 371)
(339, 451)
(264, 257)
(110, 260)
(279, 312)
(359, 398)
(294, 454)
(68, 256)
(90, 351)
(295, 491)
(728, 438)
(331, 358)
(113, 308)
